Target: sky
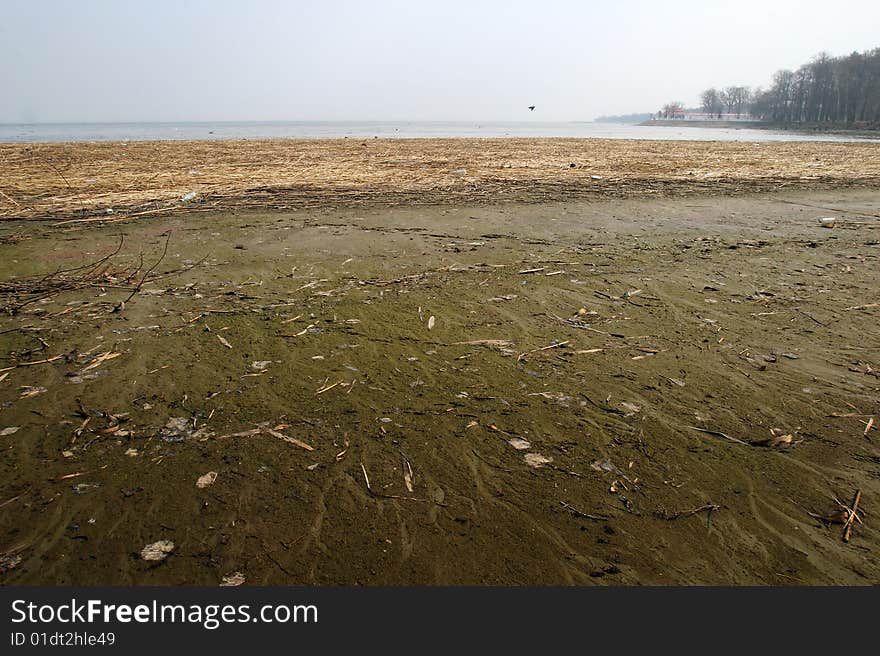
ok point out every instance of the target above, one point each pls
(400, 60)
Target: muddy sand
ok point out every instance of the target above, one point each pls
(630, 391)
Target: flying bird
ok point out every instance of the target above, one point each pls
(531, 107)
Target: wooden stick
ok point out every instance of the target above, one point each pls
(580, 513)
(328, 387)
(287, 438)
(711, 507)
(847, 531)
(543, 348)
(718, 434)
(28, 364)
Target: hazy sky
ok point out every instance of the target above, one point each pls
(178, 60)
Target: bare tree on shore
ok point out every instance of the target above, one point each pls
(827, 90)
(735, 99)
(672, 109)
(710, 101)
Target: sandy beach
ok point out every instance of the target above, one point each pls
(439, 362)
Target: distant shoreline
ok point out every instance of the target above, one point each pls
(811, 128)
(685, 123)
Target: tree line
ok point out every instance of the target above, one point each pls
(732, 100)
(831, 90)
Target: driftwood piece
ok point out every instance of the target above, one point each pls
(853, 516)
(718, 434)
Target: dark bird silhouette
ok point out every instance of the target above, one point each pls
(531, 107)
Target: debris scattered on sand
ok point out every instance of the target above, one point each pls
(179, 429)
(504, 346)
(206, 480)
(30, 364)
(519, 444)
(774, 441)
(100, 359)
(408, 475)
(708, 507)
(630, 408)
(543, 348)
(290, 440)
(492, 343)
(717, 434)
(607, 466)
(68, 476)
(9, 562)
(536, 460)
(440, 396)
(327, 388)
(853, 516)
(29, 392)
(232, 580)
(579, 513)
(381, 495)
(157, 550)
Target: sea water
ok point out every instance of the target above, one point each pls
(60, 132)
